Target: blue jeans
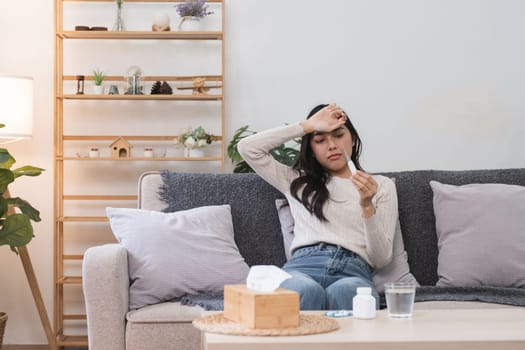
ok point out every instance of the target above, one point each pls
(327, 276)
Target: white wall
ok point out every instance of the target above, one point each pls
(429, 84)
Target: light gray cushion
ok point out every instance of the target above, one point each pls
(481, 234)
(287, 224)
(172, 254)
(396, 271)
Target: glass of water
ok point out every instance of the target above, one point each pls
(400, 299)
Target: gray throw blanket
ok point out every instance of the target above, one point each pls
(497, 295)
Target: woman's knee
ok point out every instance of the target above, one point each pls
(340, 294)
(312, 294)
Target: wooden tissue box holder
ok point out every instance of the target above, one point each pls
(260, 310)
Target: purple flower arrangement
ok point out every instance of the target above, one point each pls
(193, 8)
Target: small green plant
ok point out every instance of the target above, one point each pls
(195, 138)
(98, 76)
(15, 228)
(285, 154)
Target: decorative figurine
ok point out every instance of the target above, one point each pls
(161, 23)
(113, 90)
(134, 81)
(80, 84)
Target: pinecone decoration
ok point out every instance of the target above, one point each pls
(156, 88)
(166, 89)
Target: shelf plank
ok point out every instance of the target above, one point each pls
(70, 280)
(170, 138)
(208, 97)
(84, 197)
(75, 317)
(82, 219)
(132, 159)
(72, 340)
(73, 257)
(140, 35)
(184, 78)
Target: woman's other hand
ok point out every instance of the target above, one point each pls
(327, 119)
(367, 188)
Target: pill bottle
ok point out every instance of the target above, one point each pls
(364, 304)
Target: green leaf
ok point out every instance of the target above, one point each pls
(6, 159)
(243, 167)
(27, 170)
(16, 231)
(239, 134)
(6, 177)
(3, 206)
(25, 207)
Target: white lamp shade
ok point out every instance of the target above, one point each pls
(16, 108)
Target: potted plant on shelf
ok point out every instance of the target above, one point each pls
(191, 11)
(285, 154)
(15, 228)
(194, 139)
(98, 77)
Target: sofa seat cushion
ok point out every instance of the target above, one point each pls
(164, 326)
(165, 313)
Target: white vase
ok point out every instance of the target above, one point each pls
(197, 152)
(98, 89)
(194, 152)
(190, 24)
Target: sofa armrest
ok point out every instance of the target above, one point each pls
(105, 283)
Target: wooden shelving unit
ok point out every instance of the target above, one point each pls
(67, 141)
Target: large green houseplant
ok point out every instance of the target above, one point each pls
(283, 153)
(15, 228)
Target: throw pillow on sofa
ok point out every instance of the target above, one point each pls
(481, 234)
(396, 271)
(173, 254)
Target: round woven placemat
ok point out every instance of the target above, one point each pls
(308, 324)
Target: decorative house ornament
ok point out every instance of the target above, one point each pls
(120, 148)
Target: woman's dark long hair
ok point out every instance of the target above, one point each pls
(312, 176)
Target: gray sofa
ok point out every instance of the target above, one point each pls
(112, 326)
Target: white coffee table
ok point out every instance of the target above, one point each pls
(494, 329)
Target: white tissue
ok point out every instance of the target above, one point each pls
(265, 278)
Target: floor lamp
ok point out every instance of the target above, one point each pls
(16, 112)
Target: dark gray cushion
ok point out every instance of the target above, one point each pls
(252, 200)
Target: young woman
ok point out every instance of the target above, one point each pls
(344, 220)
